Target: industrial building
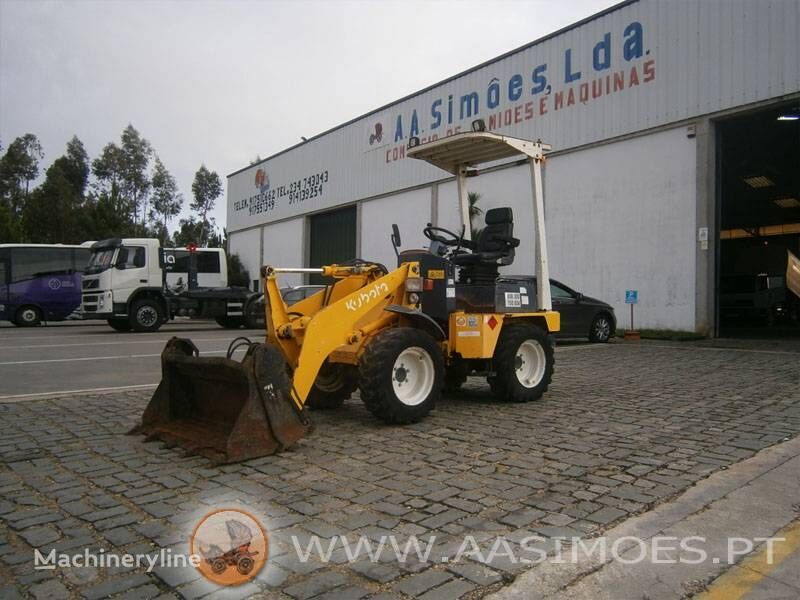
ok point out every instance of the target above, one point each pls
(675, 168)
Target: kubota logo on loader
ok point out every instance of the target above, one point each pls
(232, 544)
(378, 290)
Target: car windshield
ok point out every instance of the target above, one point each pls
(100, 260)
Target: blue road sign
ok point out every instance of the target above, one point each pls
(631, 296)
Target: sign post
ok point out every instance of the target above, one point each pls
(632, 297)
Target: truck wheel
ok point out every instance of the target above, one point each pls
(600, 330)
(401, 375)
(121, 325)
(523, 362)
(146, 315)
(229, 322)
(335, 383)
(28, 316)
(254, 316)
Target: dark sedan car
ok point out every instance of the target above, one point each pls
(582, 316)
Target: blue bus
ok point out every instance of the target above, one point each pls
(40, 282)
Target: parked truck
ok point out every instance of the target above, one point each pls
(136, 285)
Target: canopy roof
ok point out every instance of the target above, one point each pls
(473, 148)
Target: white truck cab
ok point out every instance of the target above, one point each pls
(134, 283)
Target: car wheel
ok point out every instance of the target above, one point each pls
(254, 316)
(28, 316)
(600, 330)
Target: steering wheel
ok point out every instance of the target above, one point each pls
(432, 233)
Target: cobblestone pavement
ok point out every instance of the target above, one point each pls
(623, 427)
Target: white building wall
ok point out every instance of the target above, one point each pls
(283, 247)
(410, 210)
(622, 216)
(619, 216)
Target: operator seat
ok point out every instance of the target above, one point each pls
(493, 247)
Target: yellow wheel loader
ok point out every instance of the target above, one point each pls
(399, 336)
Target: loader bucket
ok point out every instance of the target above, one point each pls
(225, 410)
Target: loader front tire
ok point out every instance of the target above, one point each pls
(335, 383)
(401, 375)
(523, 362)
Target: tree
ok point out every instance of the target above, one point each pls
(193, 230)
(474, 210)
(237, 274)
(18, 167)
(167, 201)
(107, 169)
(52, 212)
(136, 153)
(76, 165)
(122, 174)
(206, 188)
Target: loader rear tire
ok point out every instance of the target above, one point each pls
(524, 362)
(401, 375)
(335, 383)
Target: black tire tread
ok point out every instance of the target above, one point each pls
(504, 384)
(135, 307)
(375, 368)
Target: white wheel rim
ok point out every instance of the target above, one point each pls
(412, 376)
(29, 315)
(529, 363)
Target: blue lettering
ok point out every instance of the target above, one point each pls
(515, 87)
(414, 124)
(634, 43)
(450, 109)
(436, 113)
(539, 79)
(493, 94)
(568, 74)
(398, 130)
(602, 48)
(469, 105)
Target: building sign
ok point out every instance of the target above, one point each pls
(638, 66)
(531, 94)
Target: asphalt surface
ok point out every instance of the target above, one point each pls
(75, 357)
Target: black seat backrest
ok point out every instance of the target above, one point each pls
(499, 230)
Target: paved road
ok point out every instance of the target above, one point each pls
(624, 428)
(75, 356)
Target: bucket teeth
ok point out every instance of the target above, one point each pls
(218, 408)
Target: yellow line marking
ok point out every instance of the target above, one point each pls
(737, 582)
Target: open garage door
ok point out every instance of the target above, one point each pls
(332, 239)
(759, 224)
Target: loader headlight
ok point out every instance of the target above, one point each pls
(413, 298)
(414, 284)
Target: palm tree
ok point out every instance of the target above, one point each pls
(474, 211)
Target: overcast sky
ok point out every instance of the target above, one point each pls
(221, 82)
